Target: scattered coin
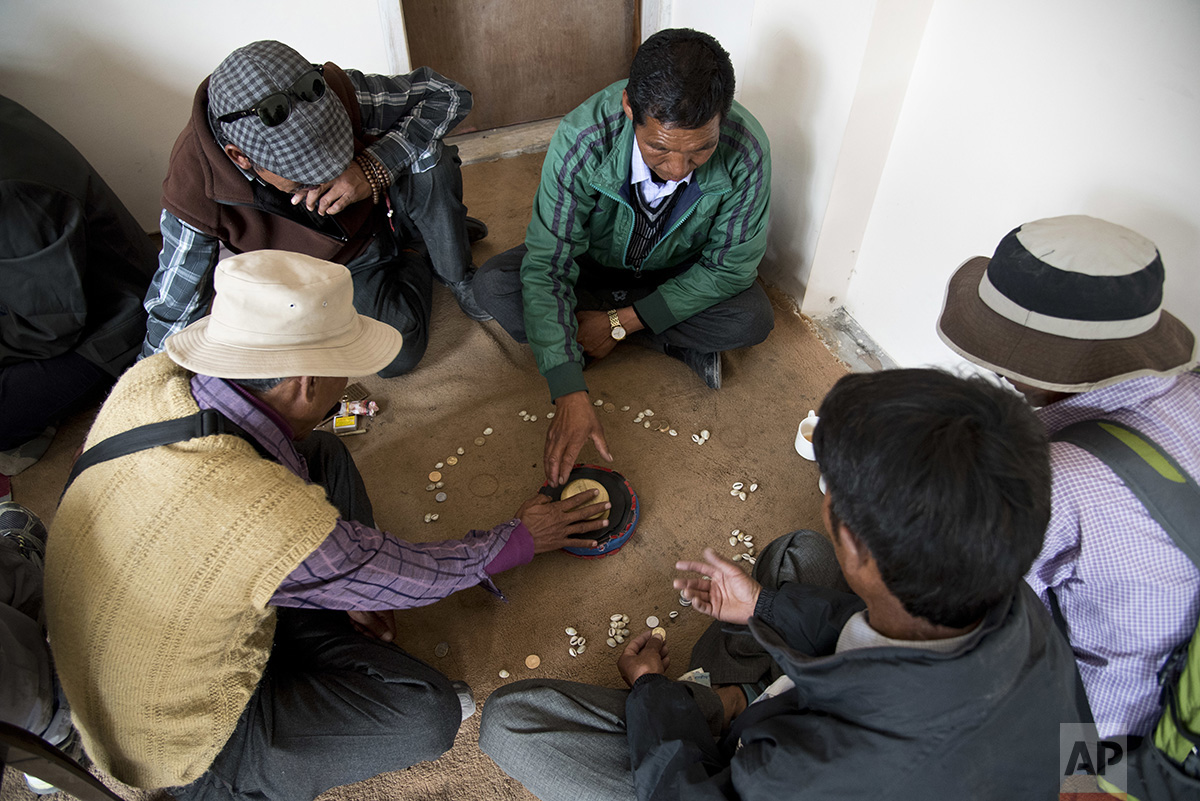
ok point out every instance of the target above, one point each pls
(440, 497)
(532, 661)
(480, 440)
(610, 407)
(441, 649)
(487, 432)
(683, 601)
(435, 476)
(660, 633)
(504, 674)
(651, 622)
(452, 460)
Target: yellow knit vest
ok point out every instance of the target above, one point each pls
(159, 568)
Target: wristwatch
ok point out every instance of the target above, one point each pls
(618, 330)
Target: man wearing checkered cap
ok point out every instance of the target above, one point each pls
(1069, 311)
(284, 154)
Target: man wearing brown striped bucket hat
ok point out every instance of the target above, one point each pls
(1069, 310)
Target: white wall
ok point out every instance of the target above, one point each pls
(116, 77)
(1025, 109)
(797, 65)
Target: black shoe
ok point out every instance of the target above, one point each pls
(464, 293)
(25, 529)
(476, 230)
(705, 365)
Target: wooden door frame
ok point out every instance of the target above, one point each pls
(654, 15)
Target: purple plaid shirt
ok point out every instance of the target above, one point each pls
(358, 567)
(1127, 593)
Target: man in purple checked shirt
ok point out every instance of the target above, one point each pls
(196, 590)
(1069, 310)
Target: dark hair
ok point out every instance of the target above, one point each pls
(680, 77)
(945, 479)
(257, 384)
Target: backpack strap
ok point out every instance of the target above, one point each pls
(1169, 494)
(1172, 498)
(204, 423)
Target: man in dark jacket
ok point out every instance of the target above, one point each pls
(939, 675)
(74, 266)
(284, 154)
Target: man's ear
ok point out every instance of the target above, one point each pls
(238, 157)
(625, 104)
(308, 388)
(857, 554)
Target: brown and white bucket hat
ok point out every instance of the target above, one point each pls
(1067, 304)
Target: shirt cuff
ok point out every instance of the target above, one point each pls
(517, 551)
(764, 610)
(654, 312)
(565, 379)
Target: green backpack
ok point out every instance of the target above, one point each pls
(1166, 765)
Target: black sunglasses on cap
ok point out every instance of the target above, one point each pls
(275, 108)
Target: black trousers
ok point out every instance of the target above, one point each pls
(741, 321)
(38, 394)
(333, 706)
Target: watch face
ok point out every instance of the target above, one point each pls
(618, 332)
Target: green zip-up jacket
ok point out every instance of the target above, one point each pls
(583, 206)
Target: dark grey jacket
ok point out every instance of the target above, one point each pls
(981, 722)
(74, 264)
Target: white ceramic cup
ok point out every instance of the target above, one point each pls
(804, 445)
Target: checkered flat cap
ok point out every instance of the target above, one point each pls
(313, 145)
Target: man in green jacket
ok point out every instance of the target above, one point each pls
(648, 225)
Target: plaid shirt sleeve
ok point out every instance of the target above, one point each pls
(182, 289)
(410, 113)
(359, 567)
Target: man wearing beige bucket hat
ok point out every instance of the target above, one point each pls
(1069, 310)
(196, 581)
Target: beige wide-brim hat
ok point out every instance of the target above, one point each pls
(1067, 304)
(278, 314)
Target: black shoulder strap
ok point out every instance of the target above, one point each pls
(204, 423)
(1169, 494)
